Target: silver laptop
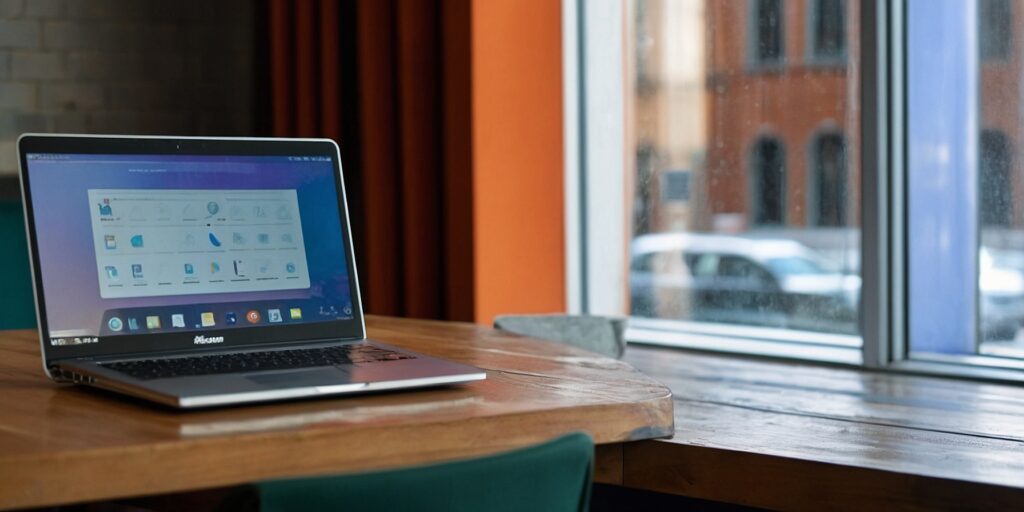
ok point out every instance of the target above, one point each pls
(202, 271)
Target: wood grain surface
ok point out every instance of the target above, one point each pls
(803, 437)
(63, 444)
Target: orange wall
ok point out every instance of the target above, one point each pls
(518, 238)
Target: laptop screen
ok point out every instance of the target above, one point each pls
(158, 244)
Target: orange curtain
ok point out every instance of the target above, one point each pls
(383, 79)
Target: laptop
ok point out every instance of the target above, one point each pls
(200, 272)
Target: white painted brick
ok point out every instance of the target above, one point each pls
(46, 8)
(8, 130)
(19, 34)
(11, 8)
(37, 65)
(20, 96)
(87, 35)
(8, 157)
(35, 123)
(70, 122)
(70, 97)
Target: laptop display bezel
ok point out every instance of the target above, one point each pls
(132, 345)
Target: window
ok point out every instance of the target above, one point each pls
(828, 29)
(768, 178)
(643, 201)
(829, 180)
(994, 169)
(889, 238)
(995, 29)
(675, 186)
(768, 43)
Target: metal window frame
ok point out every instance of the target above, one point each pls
(595, 108)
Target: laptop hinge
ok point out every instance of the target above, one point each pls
(60, 374)
(207, 351)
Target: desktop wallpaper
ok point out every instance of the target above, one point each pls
(59, 186)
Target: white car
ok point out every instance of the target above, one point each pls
(727, 279)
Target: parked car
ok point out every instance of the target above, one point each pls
(783, 283)
(727, 279)
(1001, 304)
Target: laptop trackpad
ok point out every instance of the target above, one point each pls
(318, 377)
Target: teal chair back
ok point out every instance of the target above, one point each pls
(17, 310)
(554, 476)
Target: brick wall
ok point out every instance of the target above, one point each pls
(181, 67)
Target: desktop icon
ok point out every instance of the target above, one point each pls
(189, 269)
(237, 238)
(214, 267)
(137, 270)
(230, 319)
(110, 242)
(286, 238)
(295, 313)
(136, 241)
(207, 319)
(253, 316)
(163, 212)
(239, 268)
(214, 240)
(111, 272)
(264, 238)
(178, 320)
(212, 207)
(115, 324)
(152, 322)
(290, 267)
(133, 324)
(274, 315)
(105, 210)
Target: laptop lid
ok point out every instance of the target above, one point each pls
(147, 244)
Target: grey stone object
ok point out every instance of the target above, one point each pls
(601, 334)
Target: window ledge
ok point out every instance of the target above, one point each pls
(747, 340)
(797, 436)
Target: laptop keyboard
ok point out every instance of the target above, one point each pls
(241, 362)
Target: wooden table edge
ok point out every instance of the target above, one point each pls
(27, 481)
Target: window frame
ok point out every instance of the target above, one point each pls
(813, 178)
(754, 61)
(596, 193)
(755, 178)
(811, 54)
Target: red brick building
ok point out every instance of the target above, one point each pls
(783, 123)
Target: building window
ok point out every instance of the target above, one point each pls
(995, 186)
(675, 186)
(643, 202)
(768, 175)
(767, 38)
(995, 29)
(829, 179)
(828, 29)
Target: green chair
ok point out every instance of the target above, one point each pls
(554, 476)
(17, 309)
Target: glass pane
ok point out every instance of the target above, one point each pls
(746, 186)
(966, 236)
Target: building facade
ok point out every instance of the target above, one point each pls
(747, 115)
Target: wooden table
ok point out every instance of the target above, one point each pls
(809, 437)
(62, 444)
